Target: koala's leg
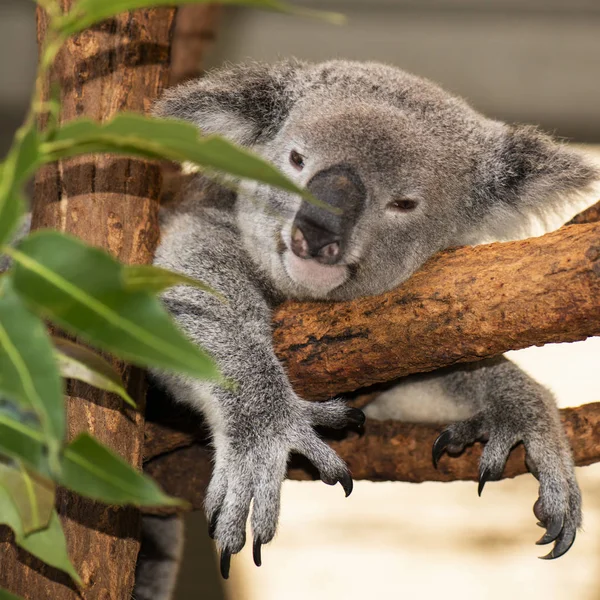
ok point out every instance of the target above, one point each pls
(496, 402)
(256, 423)
(159, 558)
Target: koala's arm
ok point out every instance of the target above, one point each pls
(495, 401)
(257, 423)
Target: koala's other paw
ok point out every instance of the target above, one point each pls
(251, 468)
(558, 507)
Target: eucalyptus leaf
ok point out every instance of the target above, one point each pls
(78, 362)
(81, 288)
(171, 139)
(88, 12)
(28, 372)
(21, 441)
(32, 494)
(21, 162)
(92, 470)
(156, 279)
(50, 546)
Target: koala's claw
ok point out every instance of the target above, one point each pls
(225, 563)
(558, 507)
(484, 477)
(347, 483)
(256, 554)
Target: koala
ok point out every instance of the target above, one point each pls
(406, 170)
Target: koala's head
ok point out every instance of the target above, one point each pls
(410, 168)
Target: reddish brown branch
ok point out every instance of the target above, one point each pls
(387, 451)
(463, 305)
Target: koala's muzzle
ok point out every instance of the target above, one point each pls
(318, 233)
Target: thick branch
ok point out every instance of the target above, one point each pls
(463, 305)
(387, 451)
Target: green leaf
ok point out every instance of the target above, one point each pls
(22, 441)
(78, 362)
(154, 138)
(92, 470)
(4, 595)
(21, 162)
(28, 372)
(149, 278)
(81, 288)
(32, 494)
(50, 546)
(88, 12)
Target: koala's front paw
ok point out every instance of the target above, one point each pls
(250, 465)
(558, 507)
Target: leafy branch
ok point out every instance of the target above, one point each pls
(58, 279)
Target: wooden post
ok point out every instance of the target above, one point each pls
(121, 64)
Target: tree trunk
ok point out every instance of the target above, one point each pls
(122, 64)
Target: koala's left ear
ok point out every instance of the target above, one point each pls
(527, 183)
(245, 103)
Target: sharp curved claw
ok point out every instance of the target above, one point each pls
(439, 446)
(256, 554)
(225, 563)
(347, 483)
(564, 543)
(356, 416)
(484, 477)
(555, 526)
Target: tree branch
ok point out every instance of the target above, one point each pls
(463, 305)
(387, 451)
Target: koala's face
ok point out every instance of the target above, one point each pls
(394, 185)
(406, 169)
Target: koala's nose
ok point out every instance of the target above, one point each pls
(310, 241)
(323, 234)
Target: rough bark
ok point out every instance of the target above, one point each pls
(386, 451)
(463, 305)
(589, 215)
(110, 202)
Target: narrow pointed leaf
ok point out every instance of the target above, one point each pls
(88, 12)
(9, 515)
(28, 372)
(92, 470)
(78, 362)
(81, 288)
(21, 162)
(21, 441)
(32, 494)
(156, 279)
(50, 546)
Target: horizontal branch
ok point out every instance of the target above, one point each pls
(386, 451)
(463, 305)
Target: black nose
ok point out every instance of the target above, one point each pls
(311, 241)
(322, 234)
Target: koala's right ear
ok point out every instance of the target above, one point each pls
(246, 103)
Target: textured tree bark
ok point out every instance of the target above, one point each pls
(110, 202)
(589, 215)
(463, 305)
(386, 451)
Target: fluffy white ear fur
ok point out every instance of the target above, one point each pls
(533, 185)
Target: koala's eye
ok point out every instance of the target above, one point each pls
(403, 205)
(297, 160)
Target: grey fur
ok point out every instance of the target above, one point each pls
(402, 138)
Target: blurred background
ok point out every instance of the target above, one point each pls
(535, 61)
